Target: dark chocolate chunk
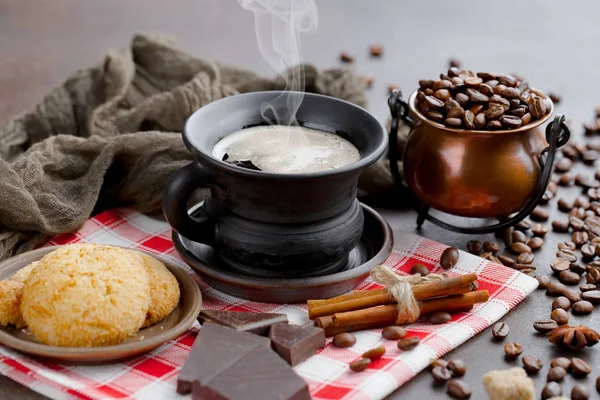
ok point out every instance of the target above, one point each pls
(253, 322)
(296, 343)
(215, 349)
(258, 374)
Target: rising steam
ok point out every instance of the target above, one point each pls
(278, 27)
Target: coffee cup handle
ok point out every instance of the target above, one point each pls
(175, 195)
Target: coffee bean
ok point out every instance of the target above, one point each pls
(544, 325)
(566, 245)
(539, 214)
(419, 269)
(556, 374)
(434, 115)
(442, 84)
(512, 350)
(582, 307)
(522, 226)
(580, 392)
(375, 353)
(458, 367)
(441, 375)
(587, 287)
(552, 389)
(535, 243)
(589, 156)
(568, 254)
(518, 236)
(559, 265)
(580, 238)
(346, 58)
(561, 362)
(593, 296)
(577, 268)
(360, 365)
(560, 226)
(560, 316)
(376, 50)
(518, 248)
(539, 230)
(564, 205)
(572, 295)
(555, 289)
(458, 389)
(566, 179)
(511, 121)
(543, 281)
(474, 246)
(393, 332)
(561, 302)
(452, 122)
(598, 384)
(524, 268)
(491, 246)
(438, 362)
(449, 258)
(564, 165)
(505, 260)
(569, 277)
(593, 276)
(408, 343)
(582, 201)
(500, 331)
(532, 364)
(439, 317)
(344, 340)
(525, 258)
(580, 368)
(576, 222)
(588, 252)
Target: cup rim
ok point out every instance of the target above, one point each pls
(415, 110)
(361, 164)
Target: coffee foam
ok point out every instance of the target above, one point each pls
(287, 149)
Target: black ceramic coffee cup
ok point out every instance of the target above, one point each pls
(267, 224)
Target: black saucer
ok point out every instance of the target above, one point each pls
(374, 247)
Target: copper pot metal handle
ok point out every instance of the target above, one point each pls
(557, 135)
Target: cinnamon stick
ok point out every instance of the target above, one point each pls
(359, 300)
(384, 315)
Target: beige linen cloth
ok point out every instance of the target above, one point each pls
(110, 136)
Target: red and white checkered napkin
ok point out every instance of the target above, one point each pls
(154, 375)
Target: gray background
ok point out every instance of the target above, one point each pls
(555, 44)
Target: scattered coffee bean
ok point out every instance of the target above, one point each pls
(505, 260)
(545, 325)
(525, 258)
(543, 281)
(343, 340)
(580, 238)
(539, 214)
(535, 243)
(588, 252)
(556, 374)
(564, 204)
(560, 316)
(376, 50)
(523, 225)
(593, 276)
(580, 368)
(439, 317)
(582, 201)
(555, 289)
(441, 375)
(500, 330)
(458, 389)
(454, 63)
(439, 362)
(561, 302)
(491, 246)
(568, 254)
(587, 287)
(569, 277)
(539, 230)
(589, 156)
(449, 258)
(566, 179)
(561, 362)
(346, 57)
(559, 265)
(458, 367)
(572, 295)
(360, 365)
(577, 268)
(582, 307)
(518, 236)
(576, 222)
(580, 392)
(512, 350)
(393, 332)
(552, 389)
(375, 353)
(560, 226)
(474, 246)
(593, 296)
(518, 248)
(419, 269)
(564, 165)
(408, 343)
(532, 364)
(566, 245)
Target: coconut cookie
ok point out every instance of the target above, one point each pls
(86, 295)
(164, 290)
(10, 300)
(22, 274)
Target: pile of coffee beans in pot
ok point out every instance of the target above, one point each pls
(481, 101)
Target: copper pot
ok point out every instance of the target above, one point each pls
(473, 173)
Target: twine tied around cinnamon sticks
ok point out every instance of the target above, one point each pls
(400, 287)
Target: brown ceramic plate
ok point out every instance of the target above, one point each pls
(179, 321)
(374, 248)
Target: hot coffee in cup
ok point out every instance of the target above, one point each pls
(286, 149)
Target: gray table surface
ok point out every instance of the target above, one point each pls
(553, 43)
